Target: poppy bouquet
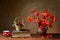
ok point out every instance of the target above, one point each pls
(47, 18)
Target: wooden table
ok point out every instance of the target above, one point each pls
(34, 37)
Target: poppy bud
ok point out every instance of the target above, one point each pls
(55, 18)
(33, 11)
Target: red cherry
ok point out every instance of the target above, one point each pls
(4, 33)
(27, 30)
(7, 34)
(20, 24)
(48, 36)
(33, 11)
(51, 35)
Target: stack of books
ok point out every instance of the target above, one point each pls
(22, 33)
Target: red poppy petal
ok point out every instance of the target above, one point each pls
(44, 17)
(37, 20)
(41, 26)
(44, 11)
(47, 23)
(55, 18)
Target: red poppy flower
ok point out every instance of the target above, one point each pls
(49, 15)
(37, 14)
(44, 12)
(29, 19)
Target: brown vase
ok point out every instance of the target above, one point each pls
(42, 31)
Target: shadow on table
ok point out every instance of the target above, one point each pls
(55, 36)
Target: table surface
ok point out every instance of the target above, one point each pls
(34, 37)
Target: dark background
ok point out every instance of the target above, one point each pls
(10, 9)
